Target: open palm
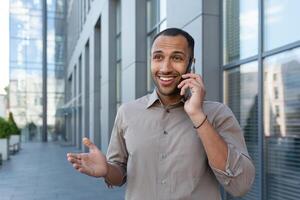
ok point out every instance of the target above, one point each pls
(93, 163)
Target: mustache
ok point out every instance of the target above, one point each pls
(168, 74)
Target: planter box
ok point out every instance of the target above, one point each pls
(4, 148)
(14, 143)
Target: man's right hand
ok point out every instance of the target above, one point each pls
(93, 163)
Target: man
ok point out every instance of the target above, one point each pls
(166, 146)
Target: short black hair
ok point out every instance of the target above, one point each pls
(175, 32)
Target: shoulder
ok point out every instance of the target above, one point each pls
(218, 112)
(211, 107)
(135, 105)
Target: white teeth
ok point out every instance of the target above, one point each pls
(165, 78)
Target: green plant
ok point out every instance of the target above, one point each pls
(14, 130)
(4, 128)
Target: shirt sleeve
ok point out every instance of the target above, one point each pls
(239, 171)
(117, 152)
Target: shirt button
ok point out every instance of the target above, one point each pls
(163, 182)
(167, 110)
(165, 132)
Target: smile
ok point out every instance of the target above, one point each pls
(166, 81)
(166, 78)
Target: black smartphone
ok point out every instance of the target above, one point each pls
(190, 69)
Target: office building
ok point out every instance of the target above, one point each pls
(26, 66)
(247, 51)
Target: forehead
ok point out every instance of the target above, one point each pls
(170, 43)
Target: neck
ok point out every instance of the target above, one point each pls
(168, 100)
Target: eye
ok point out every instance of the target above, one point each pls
(157, 57)
(177, 58)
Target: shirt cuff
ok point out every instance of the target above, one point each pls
(233, 167)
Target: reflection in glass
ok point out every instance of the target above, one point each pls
(162, 10)
(150, 84)
(240, 29)
(26, 64)
(55, 58)
(282, 125)
(240, 94)
(281, 23)
(152, 14)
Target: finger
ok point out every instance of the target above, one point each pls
(88, 143)
(74, 160)
(198, 78)
(74, 155)
(76, 166)
(183, 89)
(194, 76)
(190, 80)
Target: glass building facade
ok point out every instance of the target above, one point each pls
(256, 52)
(26, 69)
(261, 64)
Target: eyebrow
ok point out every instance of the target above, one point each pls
(175, 52)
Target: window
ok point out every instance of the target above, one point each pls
(276, 95)
(240, 29)
(281, 19)
(242, 98)
(282, 126)
(156, 22)
(275, 48)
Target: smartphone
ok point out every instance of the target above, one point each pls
(190, 69)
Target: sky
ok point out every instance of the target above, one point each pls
(4, 45)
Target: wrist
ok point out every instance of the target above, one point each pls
(106, 171)
(197, 118)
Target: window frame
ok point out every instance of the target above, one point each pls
(259, 58)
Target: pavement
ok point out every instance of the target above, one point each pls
(40, 171)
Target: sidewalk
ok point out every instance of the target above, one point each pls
(40, 171)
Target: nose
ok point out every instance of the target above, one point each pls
(166, 66)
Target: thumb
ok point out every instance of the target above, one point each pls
(87, 142)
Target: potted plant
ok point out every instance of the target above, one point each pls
(15, 134)
(4, 137)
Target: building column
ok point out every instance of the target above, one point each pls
(134, 59)
(108, 72)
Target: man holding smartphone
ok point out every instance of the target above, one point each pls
(166, 146)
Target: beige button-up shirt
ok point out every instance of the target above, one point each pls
(163, 158)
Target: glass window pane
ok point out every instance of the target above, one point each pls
(150, 84)
(162, 9)
(240, 29)
(282, 125)
(151, 14)
(30, 4)
(242, 98)
(281, 23)
(163, 25)
(118, 16)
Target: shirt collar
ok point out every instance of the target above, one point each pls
(154, 98)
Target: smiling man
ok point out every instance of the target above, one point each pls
(166, 146)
